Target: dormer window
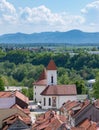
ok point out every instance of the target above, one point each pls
(52, 79)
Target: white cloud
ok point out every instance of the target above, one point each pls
(39, 15)
(94, 5)
(7, 12)
(44, 16)
(6, 7)
(43, 19)
(91, 14)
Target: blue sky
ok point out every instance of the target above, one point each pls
(30, 16)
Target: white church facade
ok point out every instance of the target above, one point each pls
(49, 93)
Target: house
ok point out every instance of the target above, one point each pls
(76, 112)
(90, 83)
(9, 98)
(8, 116)
(86, 125)
(14, 112)
(48, 92)
(14, 88)
(16, 122)
(50, 120)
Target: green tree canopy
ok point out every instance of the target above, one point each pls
(96, 87)
(81, 88)
(1, 84)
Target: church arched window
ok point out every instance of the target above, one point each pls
(49, 101)
(44, 101)
(52, 79)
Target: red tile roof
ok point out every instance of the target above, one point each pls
(41, 82)
(69, 105)
(83, 106)
(16, 93)
(51, 65)
(78, 128)
(60, 90)
(43, 75)
(48, 121)
(97, 103)
(21, 96)
(42, 79)
(55, 124)
(26, 110)
(10, 120)
(86, 125)
(74, 108)
(6, 94)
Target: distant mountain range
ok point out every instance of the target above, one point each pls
(69, 37)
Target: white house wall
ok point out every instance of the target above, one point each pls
(37, 91)
(47, 102)
(7, 102)
(51, 73)
(59, 101)
(62, 99)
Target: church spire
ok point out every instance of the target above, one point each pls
(51, 65)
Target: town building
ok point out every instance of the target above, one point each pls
(49, 93)
(77, 112)
(50, 120)
(14, 112)
(9, 98)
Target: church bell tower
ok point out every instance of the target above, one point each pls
(51, 73)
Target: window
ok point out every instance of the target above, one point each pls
(49, 101)
(51, 79)
(54, 101)
(44, 101)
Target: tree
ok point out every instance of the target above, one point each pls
(64, 79)
(96, 87)
(25, 92)
(81, 89)
(30, 91)
(1, 85)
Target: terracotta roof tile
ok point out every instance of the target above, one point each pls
(55, 124)
(41, 82)
(5, 94)
(78, 128)
(93, 127)
(16, 106)
(83, 106)
(60, 90)
(43, 75)
(97, 103)
(16, 93)
(26, 111)
(5, 127)
(48, 121)
(85, 124)
(21, 96)
(69, 105)
(13, 118)
(51, 65)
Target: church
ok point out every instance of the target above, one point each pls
(49, 93)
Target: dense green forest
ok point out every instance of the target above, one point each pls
(23, 67)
